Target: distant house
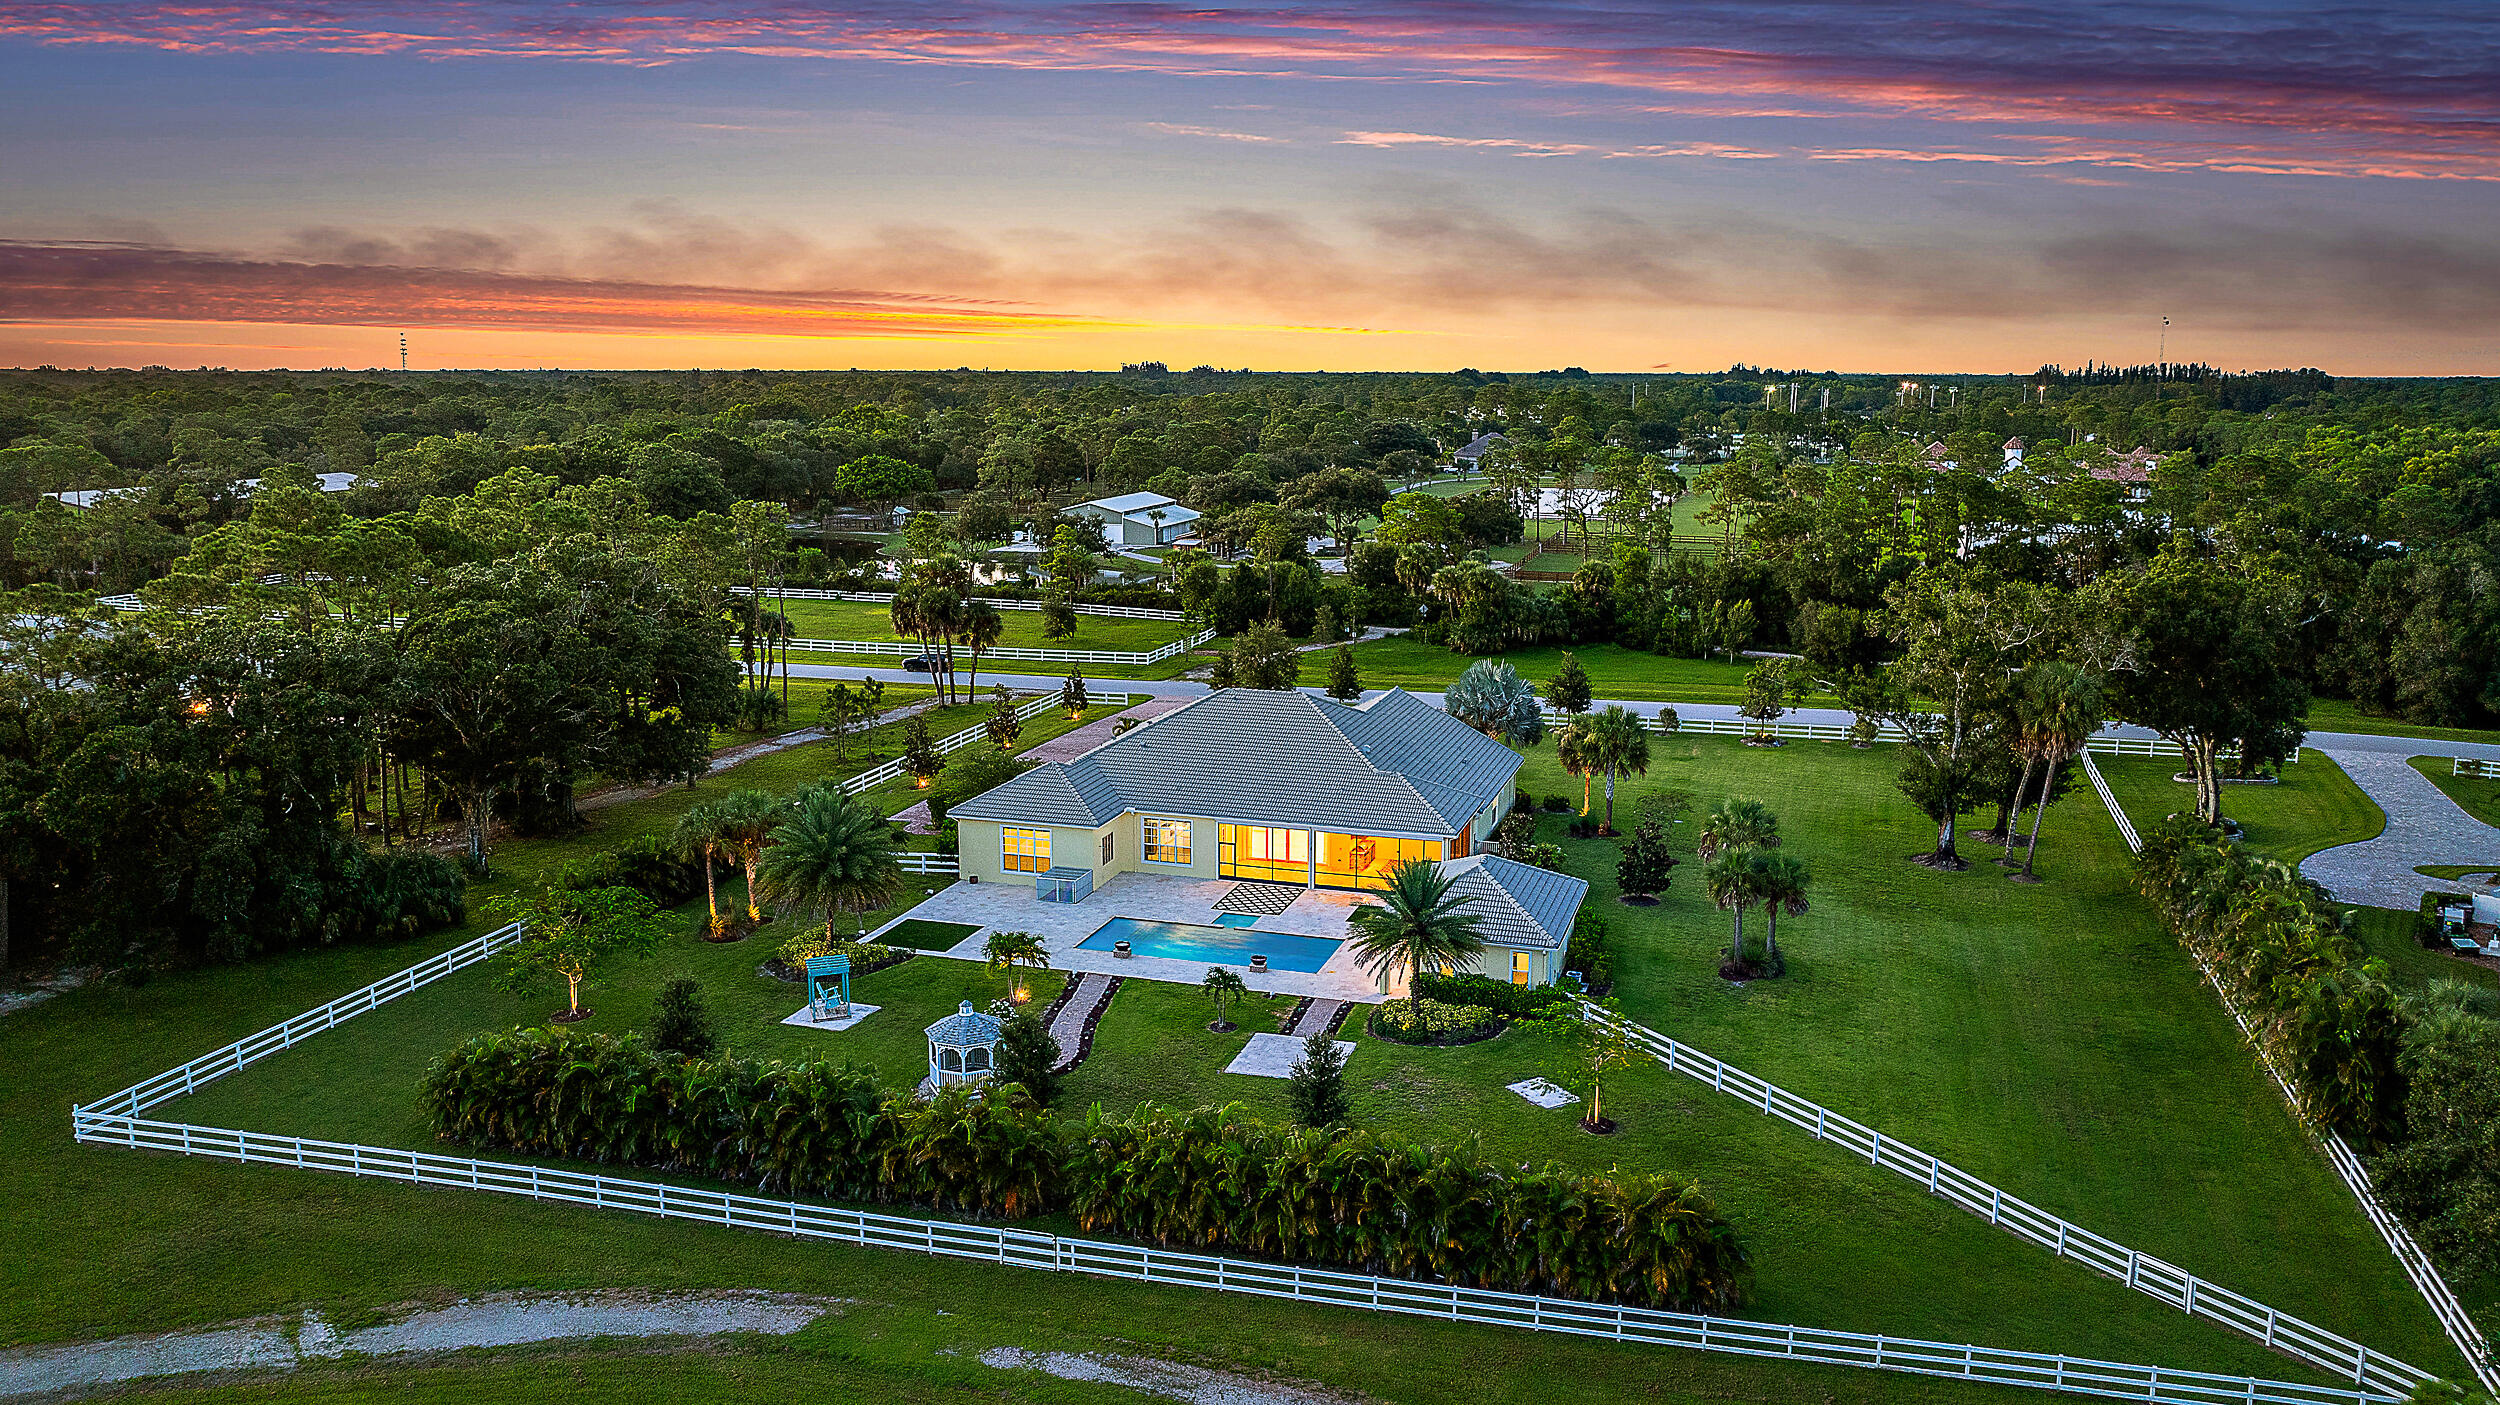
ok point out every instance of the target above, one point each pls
(1470, 457)
(1938, 458)
(2132, 471)
(89, 497)
(1139, 519)
(2013, 453)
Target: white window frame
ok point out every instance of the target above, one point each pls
(1146, 845)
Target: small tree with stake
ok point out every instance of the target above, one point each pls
(680, 1024)
(1599, 1044)
(921, 758)
(1316, 1086)
(1223, 986)
(1569, 689)
(1072, 693)
(1647, 865)
(1344, 684)
(568, 931)
(1002, 725)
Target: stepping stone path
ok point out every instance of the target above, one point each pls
(1315, 1017)
(2424, 826)
(1068, 1026)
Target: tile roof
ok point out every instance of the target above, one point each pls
(965, 1028)
(1395, 766)
(2134, 466)
(1481, 445)
(1517, 904)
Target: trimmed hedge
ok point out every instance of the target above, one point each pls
(1207, 1180)
(1501, 997)
(865, 956)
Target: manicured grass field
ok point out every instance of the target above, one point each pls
(848, 619)
(2338, 715)
(2050, 1038)
(2315, 806)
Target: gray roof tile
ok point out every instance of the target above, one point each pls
(1396, 766)
(1517, 904)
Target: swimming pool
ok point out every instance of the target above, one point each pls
(1236, 919)
(1218, 946)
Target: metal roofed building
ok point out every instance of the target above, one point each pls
(1139, 519)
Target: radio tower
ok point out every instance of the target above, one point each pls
(403, 351)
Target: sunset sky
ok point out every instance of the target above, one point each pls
(1497, 183)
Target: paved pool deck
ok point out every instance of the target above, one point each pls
(1003, 907)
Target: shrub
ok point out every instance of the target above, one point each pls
(1029, 1056)
(1420, 1021)
(865, 956)
(407, 893)
(1556, 804)
(1501, 997)
(680, 1024)
(1592, 953)
(645, 865)
(1211, 1179)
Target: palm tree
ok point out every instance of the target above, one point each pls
(1009, 950)
(1416, 926)
(1575, 747)
(833, 855)
(1738, 824)
(1223, 986)
(983, 626)
(2065, 725)
(1619, 744)
(747, 820)
(1779, 884)
(698, 837)
(1729, 881)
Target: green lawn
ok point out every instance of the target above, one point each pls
(2049, 1038)
(2315, 806)
(2338, 715)
(2475, 795)
(1614, 671)
(848, 619)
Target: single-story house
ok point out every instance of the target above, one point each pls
(2132, 471)
(1139, 519)
(1470, 456)
(1281, 787)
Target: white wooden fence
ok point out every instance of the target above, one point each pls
(906, 648)
(2468, 1338)
(117, 1120)
(2346, 1359)
(2471, 766)
(886, 597)
(879, 775)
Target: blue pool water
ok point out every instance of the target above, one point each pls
(1218, 946)
(1237, 919)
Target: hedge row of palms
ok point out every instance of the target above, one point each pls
(817, 852)
(1211, 1179)
(2321, 1008)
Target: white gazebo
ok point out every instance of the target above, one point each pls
(963, 1047)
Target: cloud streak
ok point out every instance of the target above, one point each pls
(2309, 87)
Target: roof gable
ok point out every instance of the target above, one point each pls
(1517, 904)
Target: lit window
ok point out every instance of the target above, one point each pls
(1519, 968)
(1024, 850)
(1167, 841)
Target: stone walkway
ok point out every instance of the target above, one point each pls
(1069, 1026)
(1068, 746)
(1315, 1017)
(2424, 826)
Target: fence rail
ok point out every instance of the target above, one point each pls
(906, 648)
(2410, 1256)
(2346, 1359)
(886, 597)
(879, 775)
(1049, 1253)
(2471, 766)
(928, 863)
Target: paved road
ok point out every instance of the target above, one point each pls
(2424, 826)
(1826, 716)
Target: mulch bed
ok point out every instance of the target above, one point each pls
(1602, 1127)
(1093, 1017)
(1293, 1015)
(569, 1017)
(736, 929)
(1636, 899)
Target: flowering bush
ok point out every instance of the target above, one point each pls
(865, 956)
(1413, 1021)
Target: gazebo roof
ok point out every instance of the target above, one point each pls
(965, 1029)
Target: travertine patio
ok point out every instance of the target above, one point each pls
(996, 907)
